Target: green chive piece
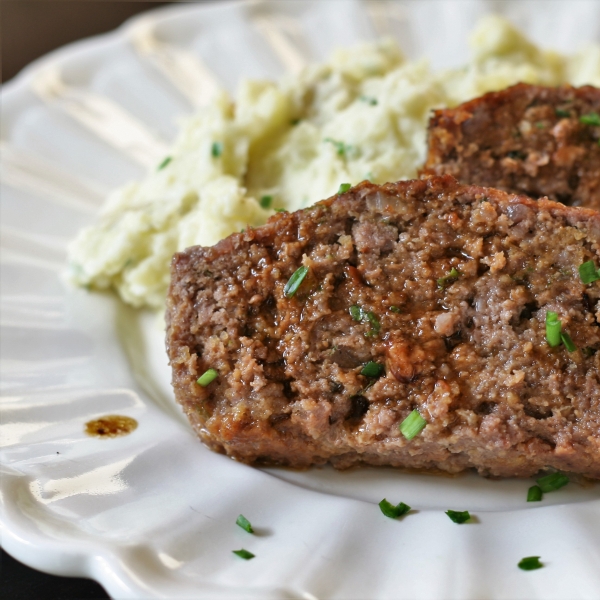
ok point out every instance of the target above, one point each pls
(360, 314)
(591, 119)
(553, 327)
(291, 287)
(530, 563)
(588, 273)
(412, 425)
(374, 322)
(216, 149)
(207, 377)
(356, 312)
(540, 125)
(369, 100)
(562, 113)
(568, 342)
(443, 281)
(552, 482)
(281, 210)
(344, 187)
(266, 201)
(534, 493)
(341, 148)
(242, 522)
(164, 163)
(458, 516)
(395, 309)
(243, 554)
(391, 511)
(372, 369)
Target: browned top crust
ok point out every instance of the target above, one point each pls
(526, 139)
(469, 352)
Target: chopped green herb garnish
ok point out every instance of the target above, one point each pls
(530, 563)
(443, 281)
(291, 287)
(374, 322)
(344, 187)
(356, 312)
(591, 119)
(244, 524)
(216, 149)
(369, 100)
(164, 163)
(281, 210)
(552, 482)
(342, 149)
(540, 125)
(295, 122)
(568, 342)
(458, 516)
(360, 314)
(391, 511)
(554, 334)
(412, 425)
(207, 377)
(534, 493)
(266, 201)
(553, 327)
(243, 554)
(588, 272)
(562, 113)
(372, 369)
(395, 309)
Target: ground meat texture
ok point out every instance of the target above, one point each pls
(447, 286)
(527, 139)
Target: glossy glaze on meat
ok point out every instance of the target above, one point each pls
(453, 282)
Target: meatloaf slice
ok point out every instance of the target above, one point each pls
(527, 139)
(420, 295)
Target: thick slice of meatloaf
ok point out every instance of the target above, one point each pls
(447, 286)
(527, 139)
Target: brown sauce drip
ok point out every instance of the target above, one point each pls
(111, 426)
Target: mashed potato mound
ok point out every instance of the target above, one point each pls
(363, 115)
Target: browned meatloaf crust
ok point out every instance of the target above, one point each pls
(469, 352)
(527, 139)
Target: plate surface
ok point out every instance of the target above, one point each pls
(152, 514)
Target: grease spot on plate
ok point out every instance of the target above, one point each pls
(111, 426)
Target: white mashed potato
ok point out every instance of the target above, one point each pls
(363, 115)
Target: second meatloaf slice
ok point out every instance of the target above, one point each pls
(527, 139)
(420, 295)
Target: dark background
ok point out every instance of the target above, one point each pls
(29, 29)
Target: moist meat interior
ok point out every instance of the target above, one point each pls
(450, 286)
(527, 139)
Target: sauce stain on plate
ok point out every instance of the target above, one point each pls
(111, 426)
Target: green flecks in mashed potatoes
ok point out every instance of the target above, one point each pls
(363, 115)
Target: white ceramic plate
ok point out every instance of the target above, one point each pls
(152, 514)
